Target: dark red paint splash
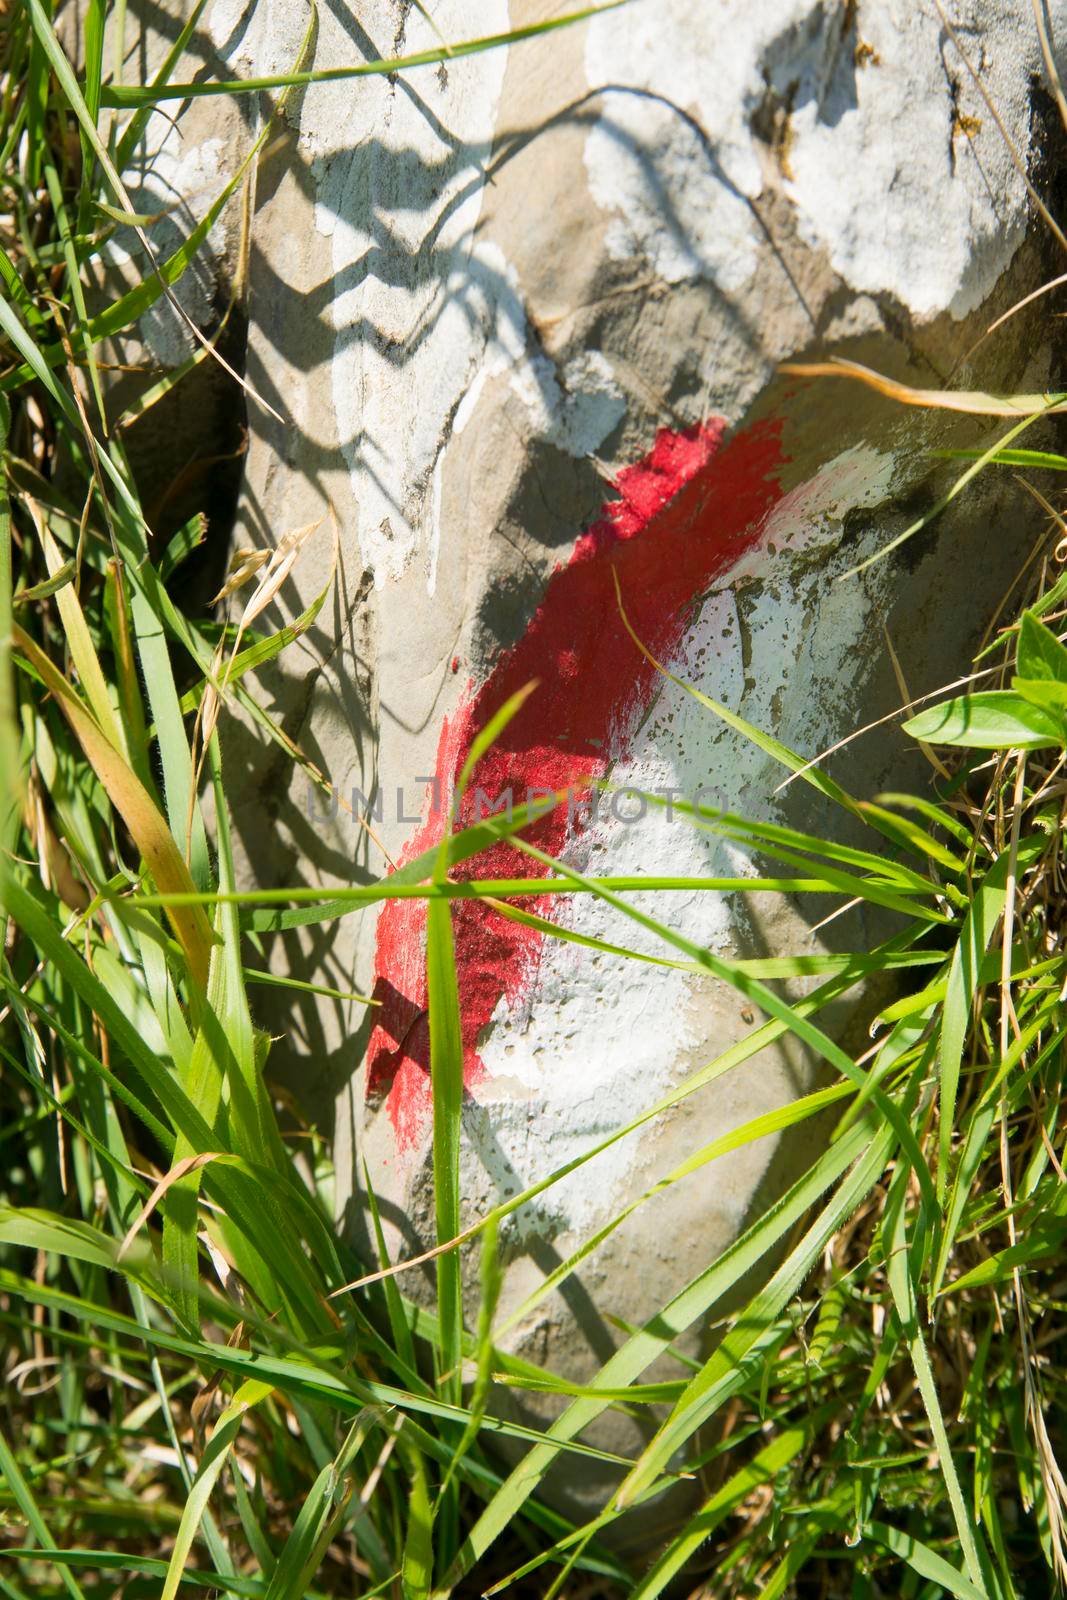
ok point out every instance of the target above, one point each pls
(686, 514)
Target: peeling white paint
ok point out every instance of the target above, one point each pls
(871, 140)
(858, 479)
(670, 155)
(425, 311)
(574, 406)
(595, 1039)
(926, 226)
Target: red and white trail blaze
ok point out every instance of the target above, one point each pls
(686, 515)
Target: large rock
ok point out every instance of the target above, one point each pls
(523, 314)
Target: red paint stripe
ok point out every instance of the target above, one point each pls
(686, 514)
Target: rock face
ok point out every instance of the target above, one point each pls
(523, 314)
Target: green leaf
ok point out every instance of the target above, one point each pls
(995, 719)
(1040, 653)
(305, 1377)
(398, 1322)
(926, 1562)
(900, 1271)
(127, 1562)
(1040, 1244)
(768, 1001)
(787, 1116)
(1043, 404)
(48, 586)
(417, 1573)
(187, 539)
(10, 758)
(1042, 692)
(319, 1518)
(756, 1328)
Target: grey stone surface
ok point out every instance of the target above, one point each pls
(478, 294)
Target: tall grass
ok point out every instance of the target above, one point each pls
(205, 1387)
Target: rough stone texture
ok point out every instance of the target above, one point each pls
(523, 315)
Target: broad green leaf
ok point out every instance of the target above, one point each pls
(1044, 693)
(994, 719)
(1040, 653)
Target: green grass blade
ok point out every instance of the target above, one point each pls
(24, 1498)
(446, 1071)
(755, 1328)
(899, 1272)
(398, 1322)
(926, 1562)
(10, 776)
(1048, 403)
(761, 1127)
(119, 96)
(1008, 458)
(772, 1004)
(987, 908)
(250, 1394)
(765, 1464)
(417, 1572)
(77, 293)
(642, 1348)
